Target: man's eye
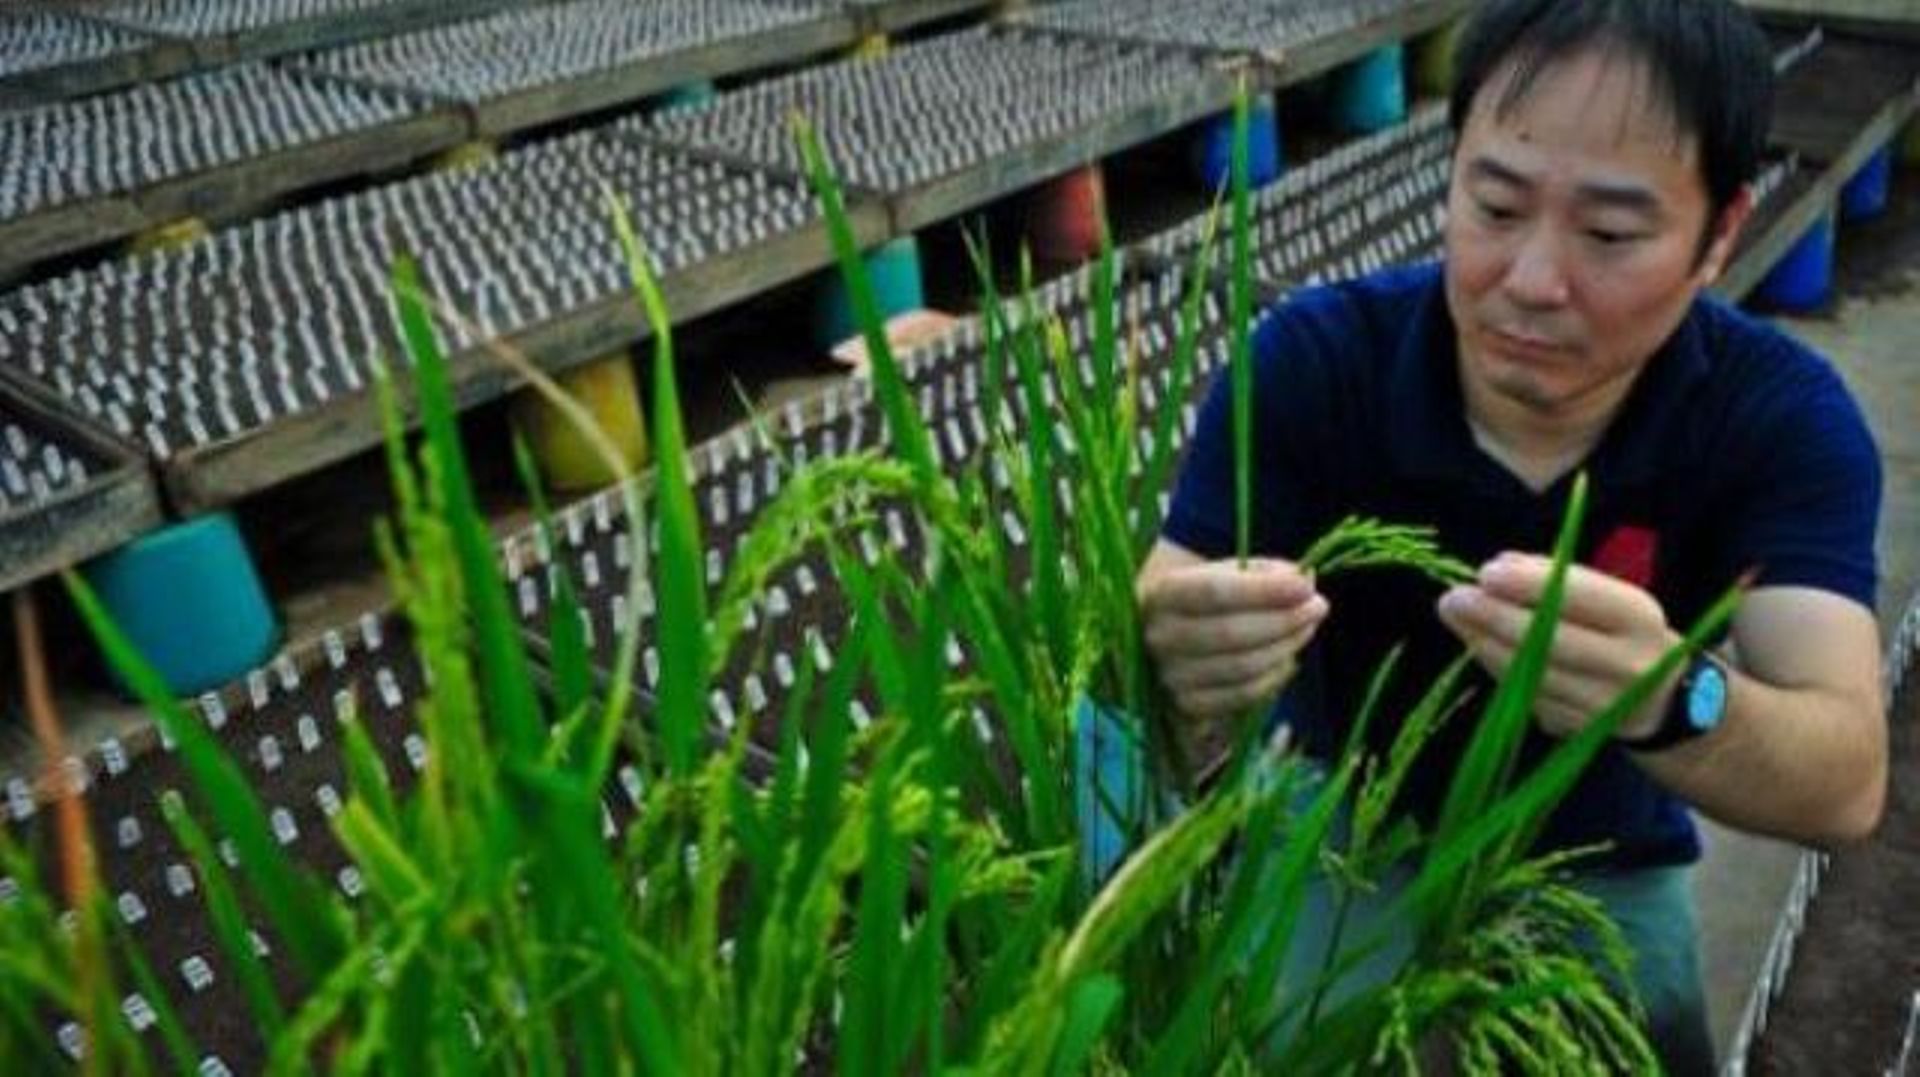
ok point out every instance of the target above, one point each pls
(1607, 237)
(1497, 213)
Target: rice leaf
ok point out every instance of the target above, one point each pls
(506, 682)
(1240, 313)
(568, 657)
(682, 620)
(1089, 1010)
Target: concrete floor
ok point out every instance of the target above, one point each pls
(1872, 334)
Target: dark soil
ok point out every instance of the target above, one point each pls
(289, 747)
(1849, 995)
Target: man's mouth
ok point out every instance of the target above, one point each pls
(1524, 343)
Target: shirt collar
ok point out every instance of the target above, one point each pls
(1428, 435)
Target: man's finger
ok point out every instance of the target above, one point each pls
(1226, 586)
(1564, 690)
(1475, 612)
(1593, 598)
(1220, 670)
(1227, 702)
(1175, 635)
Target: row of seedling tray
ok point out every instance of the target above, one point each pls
(270, 327)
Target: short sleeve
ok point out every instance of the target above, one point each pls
(1811, 499)
(1292, 405)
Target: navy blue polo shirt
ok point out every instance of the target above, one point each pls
(1736, 449)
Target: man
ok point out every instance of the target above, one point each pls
(1599, 184)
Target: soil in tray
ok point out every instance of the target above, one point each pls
(280, 724)
(1849, 993)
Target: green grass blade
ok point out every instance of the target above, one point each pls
(910, 439)
(1509, 714)
(566, 821)
(1106, 336)
(1157, 469)
(1511, 824)
(1049, 588)
(389, 870)
(569, 657)
(1265, 894)
(506, 681)
(1240, 306)
(679, 574)
(1090, 1009)
(367, 775)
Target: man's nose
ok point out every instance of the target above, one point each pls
(1536, 277)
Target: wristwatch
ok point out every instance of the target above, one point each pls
(1698, 705)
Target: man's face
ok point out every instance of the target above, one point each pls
(1574, 225)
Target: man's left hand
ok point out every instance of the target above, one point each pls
(1610, 633)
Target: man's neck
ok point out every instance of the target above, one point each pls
(1539, 447)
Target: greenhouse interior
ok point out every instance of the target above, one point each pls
(960, 536)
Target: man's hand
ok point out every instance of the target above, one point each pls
(1224, 637)
(1610, 633)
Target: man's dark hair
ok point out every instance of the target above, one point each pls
(1707, 61)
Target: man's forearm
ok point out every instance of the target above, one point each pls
(1807, 765)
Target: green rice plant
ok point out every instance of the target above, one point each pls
(907, 898)
(1078, 603)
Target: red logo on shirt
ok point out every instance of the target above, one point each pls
(1629, 554)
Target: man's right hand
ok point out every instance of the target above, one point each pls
(1224, 636)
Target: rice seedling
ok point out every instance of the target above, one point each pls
(880, 900)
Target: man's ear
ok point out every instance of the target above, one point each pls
(1726, 235)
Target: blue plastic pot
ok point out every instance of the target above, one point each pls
(1865, 195)
(1213, 148)
(894, 270)
(190, 600)
(1802, 280)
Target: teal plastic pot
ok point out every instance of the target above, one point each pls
(190, 600)
(1370, 94)
(687, 95)
(894, 270)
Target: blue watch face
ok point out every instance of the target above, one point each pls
(1707, 697)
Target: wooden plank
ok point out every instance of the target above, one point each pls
(1782, 224)
(159, 60)
(893, 16)
(214, 475)
(1846, 100)
(326, 31)
(315, 32)
(1317, 57)
(654, 75)
(106, 513)
(65, 229)
(1888, 10)
(228, 191)
(231, 190)
(1826, 134)
(1817, 198)
(117, 503)
(944, 198)
(1278, 68)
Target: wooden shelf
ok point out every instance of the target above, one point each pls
(116, 503)
(224, 472)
